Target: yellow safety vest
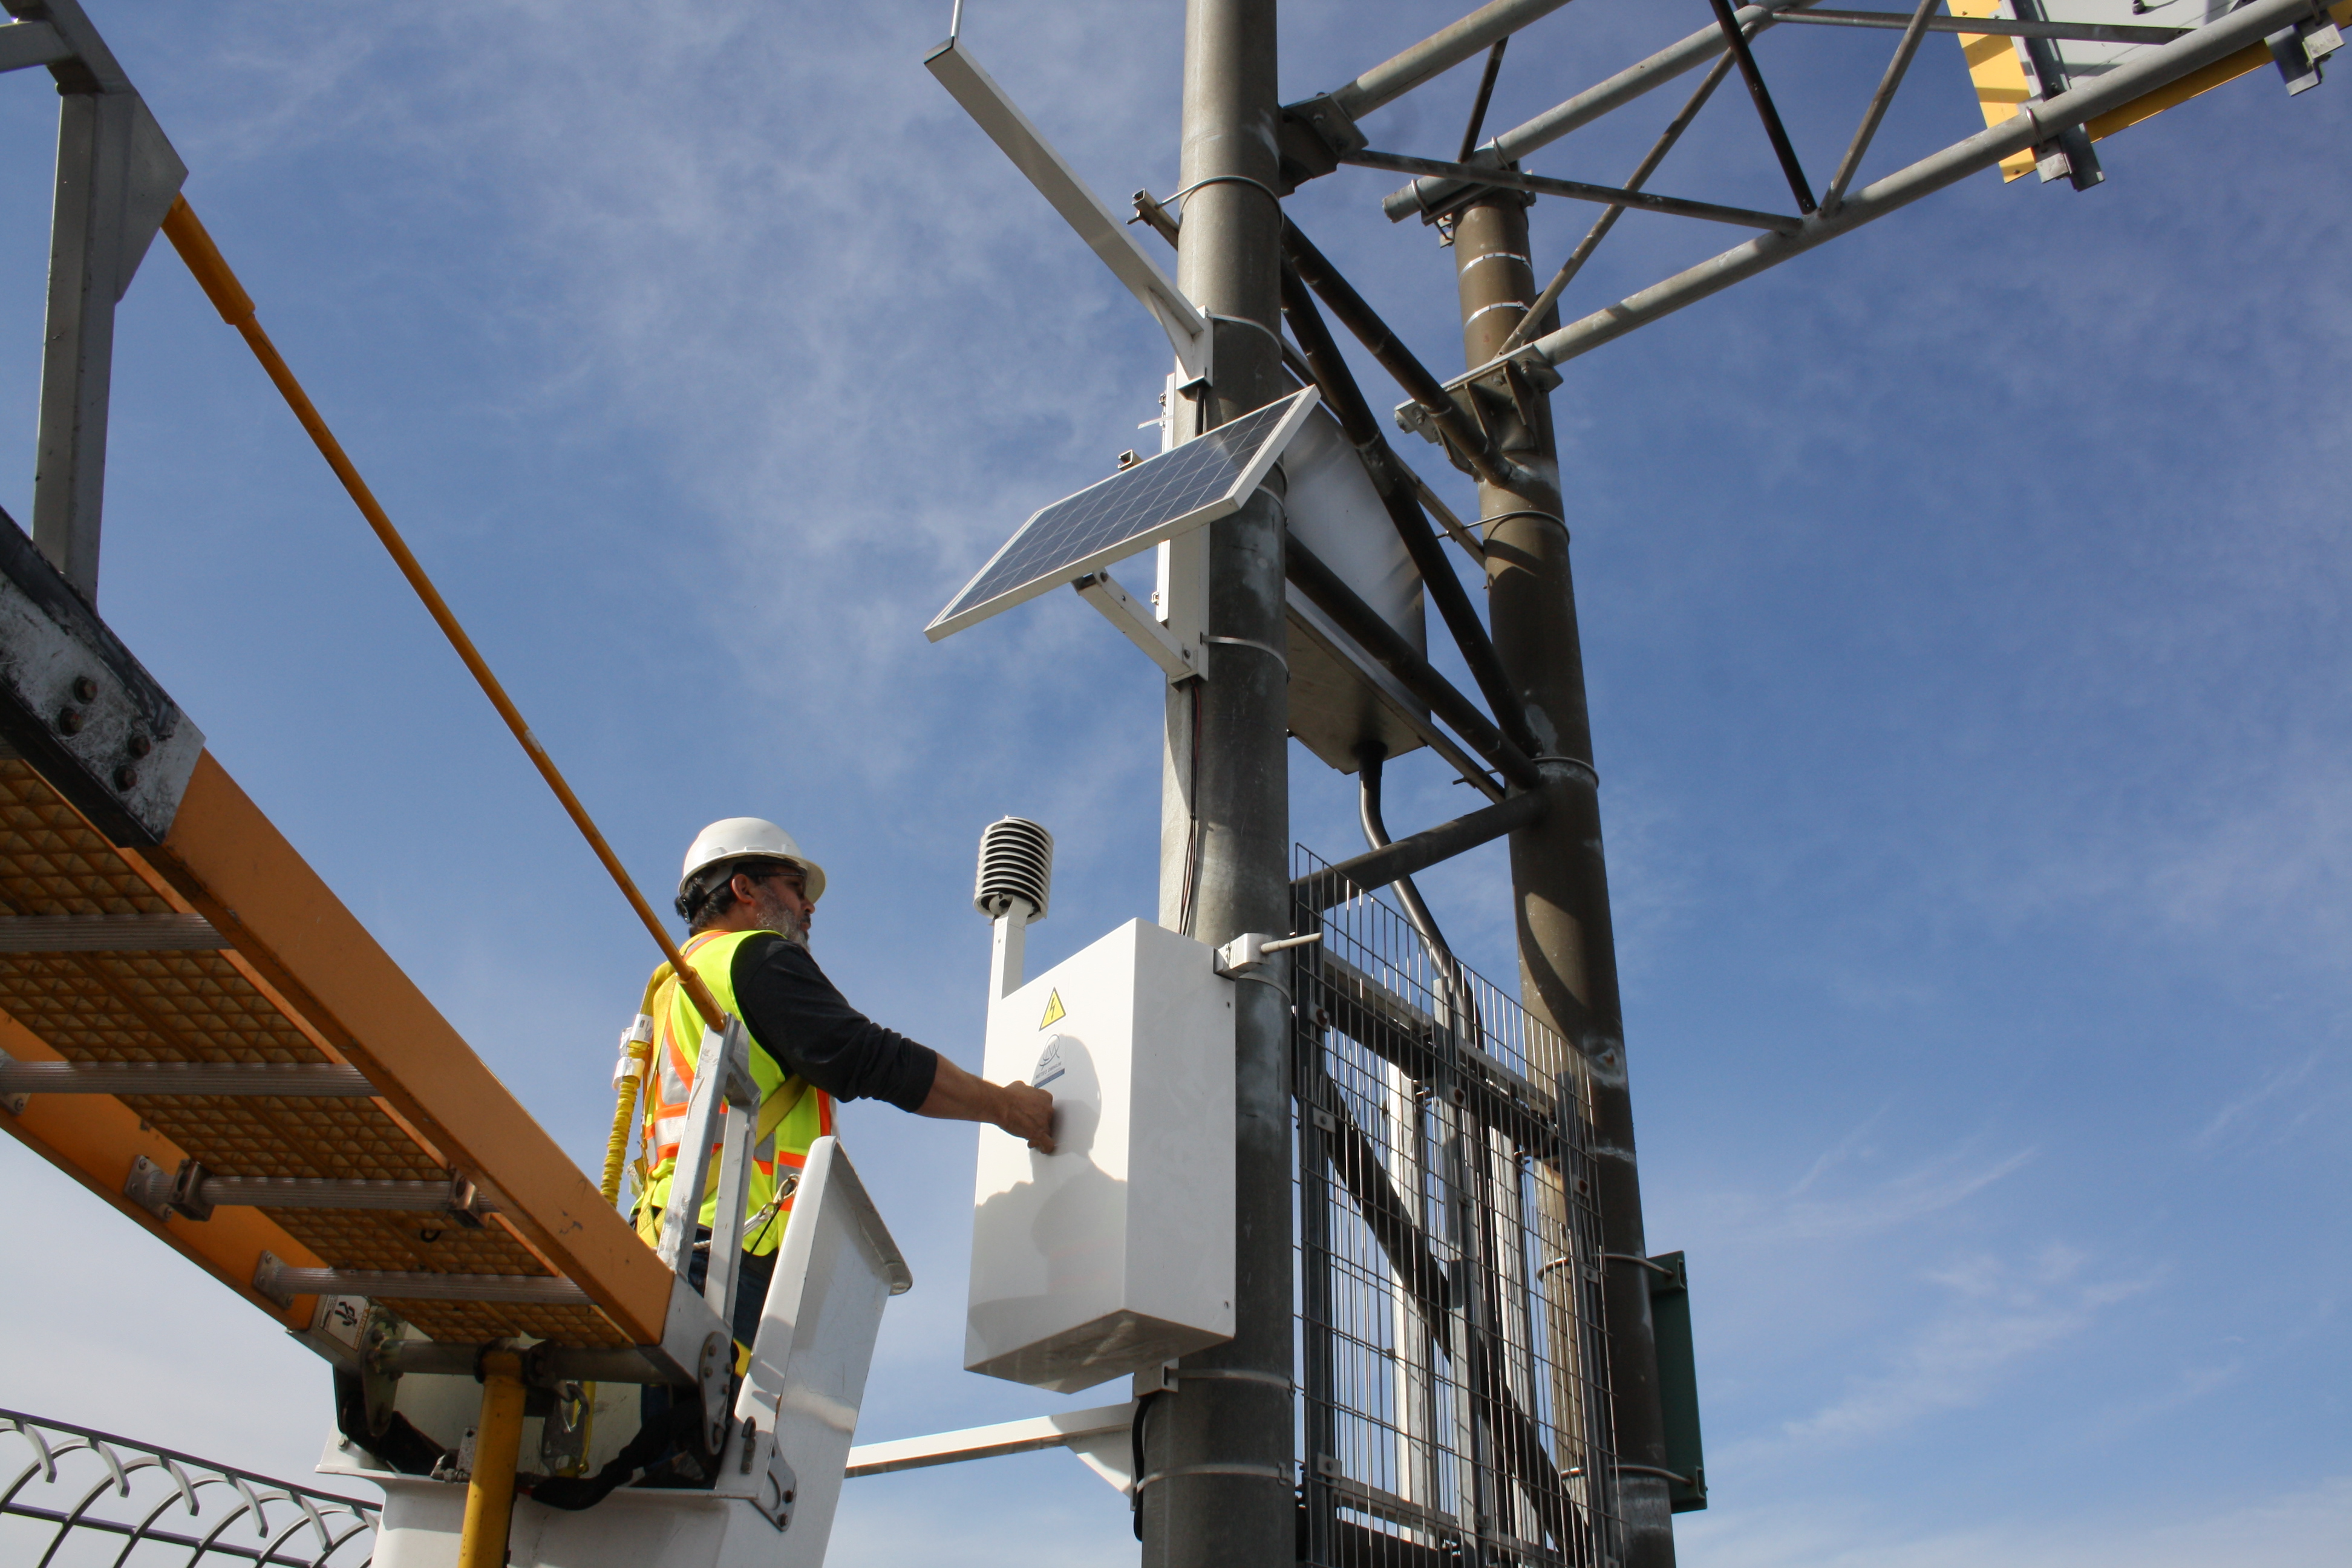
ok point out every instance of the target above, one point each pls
(793, 1113)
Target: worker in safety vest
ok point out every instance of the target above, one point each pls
(749, 897)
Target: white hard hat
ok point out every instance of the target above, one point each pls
(742, 837)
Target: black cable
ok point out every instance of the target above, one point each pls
(1191, 890)
(1135, 1433)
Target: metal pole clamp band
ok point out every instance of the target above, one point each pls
(1262, 1472)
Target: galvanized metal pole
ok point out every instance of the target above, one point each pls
(1218, 1471)
(1568, 960)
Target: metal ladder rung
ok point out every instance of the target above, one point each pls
(281, 1283)
(298, 1080)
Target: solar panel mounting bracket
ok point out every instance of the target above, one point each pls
(1138, 625)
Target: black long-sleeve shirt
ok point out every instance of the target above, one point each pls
(807, 1027)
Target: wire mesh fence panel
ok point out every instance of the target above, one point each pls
(72, 1498)
(1454, 1386)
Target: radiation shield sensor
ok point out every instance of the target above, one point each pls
(1115, 1253)
(1186, 487)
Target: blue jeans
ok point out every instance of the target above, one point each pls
(751, 1276)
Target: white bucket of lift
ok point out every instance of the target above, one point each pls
(800, 1399)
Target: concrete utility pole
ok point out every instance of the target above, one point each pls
(1567, 955)
(1218, 1473)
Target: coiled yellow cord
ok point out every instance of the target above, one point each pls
(628, 1079)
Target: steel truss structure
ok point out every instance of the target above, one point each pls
(1444, 1349)
(1452, 1343)
(1476, 1352)
(86, 1498)
(2055, 127)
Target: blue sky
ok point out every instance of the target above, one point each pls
(1963, 604)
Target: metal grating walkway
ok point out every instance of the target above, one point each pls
(226, 995)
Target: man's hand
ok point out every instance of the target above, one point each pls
(1026, 1112)
(1021, 1109)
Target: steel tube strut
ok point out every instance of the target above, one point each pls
(335, 1193)
(1431, 196)
(1376, 869)
(108, 933)
(1216, 1488)
(284, 1283)
(547, 1366)
(1774, 131)
(1877, 110)
(1578, 190)
(1439, 53)
(1998, 27)
(1464, 437)
(293, 1080)
(2035, 124)
(1485, 96)
(1608, 220)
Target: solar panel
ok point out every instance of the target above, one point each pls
(1205, 478)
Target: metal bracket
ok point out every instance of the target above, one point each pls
(714, 1369)
(2297, 51)
(2069, 156)
(686, 1328)
(152, 1187)
(563, 1438)
(1138, 625)
(23, 44)
(1313, 137)
(1246, 956)
(779, 1488)
(80, 708)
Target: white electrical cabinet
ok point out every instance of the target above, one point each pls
(1116, 1252)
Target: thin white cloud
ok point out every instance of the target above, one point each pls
(1930, 1187)
(1999, 1315)
(2232, 1120)
(1844, 1149)
(2304, 1527)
